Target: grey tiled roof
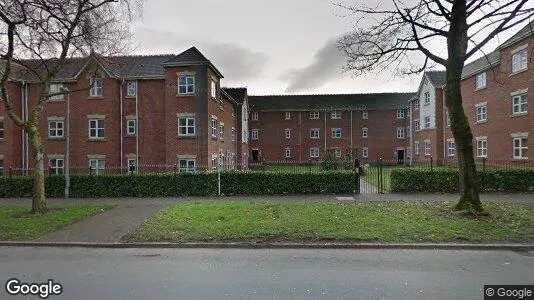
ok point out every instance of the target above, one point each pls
(138, 66)
(523, 32)
(238, 94)
(190, 55)
(339, 102)
(437, 78)
(485, 62)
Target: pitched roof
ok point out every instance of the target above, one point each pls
(483, 63)
(522, 33)
(437, 78)
(191, 56)
(338, 102)
(238, 94)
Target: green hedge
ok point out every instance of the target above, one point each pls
(445, 180)
(194, 184)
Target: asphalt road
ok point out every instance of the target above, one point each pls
(264, 274)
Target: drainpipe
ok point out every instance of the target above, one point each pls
(351, 144)
(444, 123)
(300, 136)
(136, 127)
(22, 131)
(411, 130)
(325, 131)
(121, 122)
(26, 137)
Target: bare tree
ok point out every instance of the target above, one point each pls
(410, 31)
(38, 37)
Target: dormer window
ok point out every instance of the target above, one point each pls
(96, 87)
(55, 92)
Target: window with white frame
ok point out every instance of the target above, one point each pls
(214, 161)
(365, 132)
(254, 134)
(221, 131)
(521, 148)
(287, 152)
(400, 113)
(519, 104)
(187, 165)
(365, 114)
(96, 87)
(314, 115)
(519, 60)
(427, 98)
(96, 129)
(56, 129)
(416, 104)
(428, 148)
(416, 125)
(254, 116)
(408, 152)
(2, 129)
(288, 133)
(186, 84)
(132, 165)
(213, 89)
(288, 115)
(337, 152)
(365, 152)
(56, 165)
(335, 114)
(55, 88)
(1, 165)
(314, 133)
(416, 148)
(448, 117)
(97, 166)
(214, 128)
(336, 133)
(186, 126)
(451, 148)
(233, 134)
(482, 113)
(427, 122)
(131, 89)
(314, 152)
(400, 132)
(130, 127)
(482, 147)
(480, 80)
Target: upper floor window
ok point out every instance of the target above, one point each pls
(482, 113)
(365, 114)
(96, 129)
(288, 133)
(416, 126)
(335, 114)
(519, 60)
(221, 131)
(254, 116)
(186, 126)
(416, 148)
(400, 133)
(400, 113)
(480, 80)
(214, 129)
(365, 133)
(131, 127)
(427, 98)
(131, 90)
(416, 104)
(55, 129)
(336, 133)
(288, 115)
(254, 134)
(314, 133)
(186, 84)
(55, 92)
(427, 122)
(448, 117)
(213, 89)
(519, 104)
(96, 87)
(314, 115)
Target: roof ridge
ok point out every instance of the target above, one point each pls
(341, 94)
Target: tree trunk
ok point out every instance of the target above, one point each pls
(38, 200)
(457, 47)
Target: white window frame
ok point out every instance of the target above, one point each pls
(336, 133)
(254, 134)
(365, 114)
(189, 166)
(427, 122)
(288, 133)
(254, 116)
(400, 133)
(95, 129)
(416, 148)
(315, 133)
(416, 104)
(451, 148)
(56, 165)
(521, 148)
(315, 152)
(187, 126)
(521, 103)
(214, 128)
(428, 148)
(365, 133)
(233, 134)
(221, 131)
(335, 115)
(481, 113)
(365, 152)
(314, 115)
(519, 60)
(187, 87)
(100, 165)
(400, 114)
(131, 88)
(96, 89)
(55, 88)
(53, 133)
(288, 115)
(416, 125)
(448, 118)
(482, 147)
(427, 98)
(213, 89)
(337, 152)
(287, 153)
(480, 80)
(131, 128)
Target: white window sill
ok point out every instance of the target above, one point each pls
(96, 97)
(481, 88)
(185, 95)
(521, 114)
(519, 158)
(56, 138)
(519, 71)
(482, 121)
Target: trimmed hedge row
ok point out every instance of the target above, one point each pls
(445, 180)
(193, 184)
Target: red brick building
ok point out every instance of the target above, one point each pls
(149, 111)
(299, 128)
(495, 92)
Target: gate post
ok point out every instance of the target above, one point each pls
(380, 177)
(357, 176)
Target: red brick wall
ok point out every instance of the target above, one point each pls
(10, 146)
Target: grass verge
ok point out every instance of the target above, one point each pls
(16, 224)
(393, 222)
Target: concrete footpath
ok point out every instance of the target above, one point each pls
(130, 213)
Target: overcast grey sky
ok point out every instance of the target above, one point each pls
(272, 47)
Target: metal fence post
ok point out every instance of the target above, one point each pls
(483, 174)
(431, 164)
(357, 175)
(90, 170)
(10, 172)
(380, 177)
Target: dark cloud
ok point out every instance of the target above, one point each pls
(326, 66)
(236, 62)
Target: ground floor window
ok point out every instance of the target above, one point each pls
(520, 147)
(482, 148)
(451, 148)
(187, 165)
(97, 166)
(56, 165)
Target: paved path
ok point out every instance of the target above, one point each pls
(264, 274)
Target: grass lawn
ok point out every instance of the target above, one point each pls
(17, 225)
(393, 222)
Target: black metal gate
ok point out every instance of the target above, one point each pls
(371, 178)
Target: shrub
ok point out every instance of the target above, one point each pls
(445, 180)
